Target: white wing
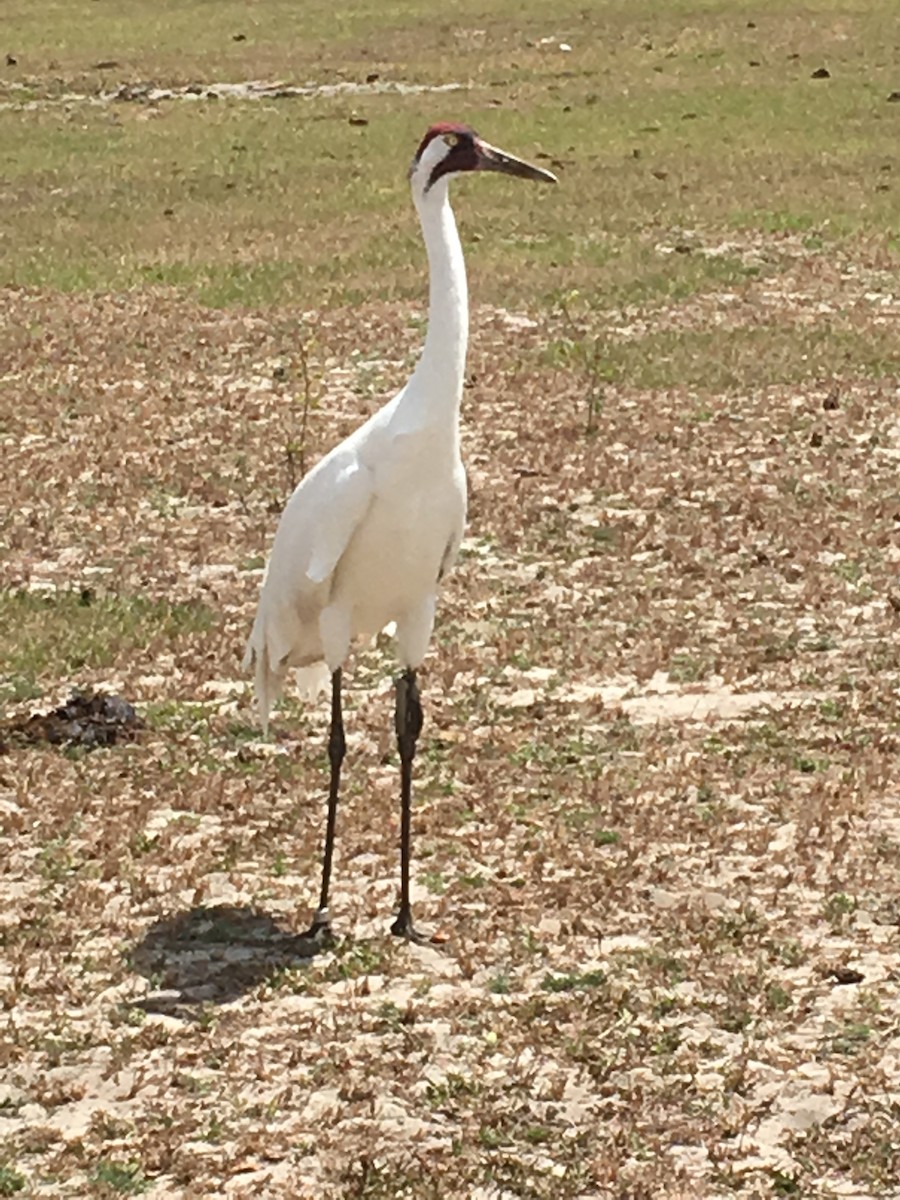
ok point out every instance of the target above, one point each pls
(315, 529)
(342, 507)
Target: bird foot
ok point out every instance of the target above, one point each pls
(403, 927)
(320, 931)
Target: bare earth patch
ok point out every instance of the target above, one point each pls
(251, 89)
(657, 808)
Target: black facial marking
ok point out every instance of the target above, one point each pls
(462, 156)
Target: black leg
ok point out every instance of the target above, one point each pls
(321, 926)
(409, 726)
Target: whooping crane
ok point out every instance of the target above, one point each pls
(371, 530)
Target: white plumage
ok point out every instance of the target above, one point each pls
(370, 531)
(362, 543)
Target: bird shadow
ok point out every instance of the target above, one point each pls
(212, 955)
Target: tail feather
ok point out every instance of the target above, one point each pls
(267, 682)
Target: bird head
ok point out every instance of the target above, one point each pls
(448, 149)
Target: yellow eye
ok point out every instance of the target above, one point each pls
(451, 139)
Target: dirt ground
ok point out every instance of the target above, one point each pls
(657, 813)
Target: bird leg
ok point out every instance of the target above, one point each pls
(408, 723)
(320, 929)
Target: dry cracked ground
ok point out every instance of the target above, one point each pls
(657, 812)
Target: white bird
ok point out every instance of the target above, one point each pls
(369, 533)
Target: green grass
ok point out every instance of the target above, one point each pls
(172, 41)
(119, 1179)
(60, 635)
(353, 960)
(287, 202)
(11, 1181)
(727, 359)
(851, 1039)
(577, 981)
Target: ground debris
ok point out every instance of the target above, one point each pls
(87, 719)
(656, 799)
(150, 92)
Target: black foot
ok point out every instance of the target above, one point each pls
(320, 932)
(403, 927)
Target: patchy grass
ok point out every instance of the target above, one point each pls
(53, 635)
(11, 1182)
(656, 805)
(118, 1179)
(699, 126)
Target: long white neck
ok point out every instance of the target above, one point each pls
(435, 389)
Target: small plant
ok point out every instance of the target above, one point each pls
(56, 862)
(777, 998)
(451, 1087)
(390, 1017)
(296, 440)
(574, 982)
(833, 710)
(206, 1017)
(491, 1137)
(215, 1129)
(848, 570)
(668, 1042)
(789, 952)
(435, 882)
(536, 1134)
(11, 1182)
(735, 1017)
(741, 926)
(586, 350)
(354, 959)
(475, 880)
(622, 735)
(128, 1014)
(685, 668)
(142, 843)
(664, 1006)
(123, 1179)
(808, 766)
(838, 906)
(784, 1185)
(851, 1038)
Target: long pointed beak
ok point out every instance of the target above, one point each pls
(492, 159)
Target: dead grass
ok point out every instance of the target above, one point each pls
(673, 914)
(656, 799)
